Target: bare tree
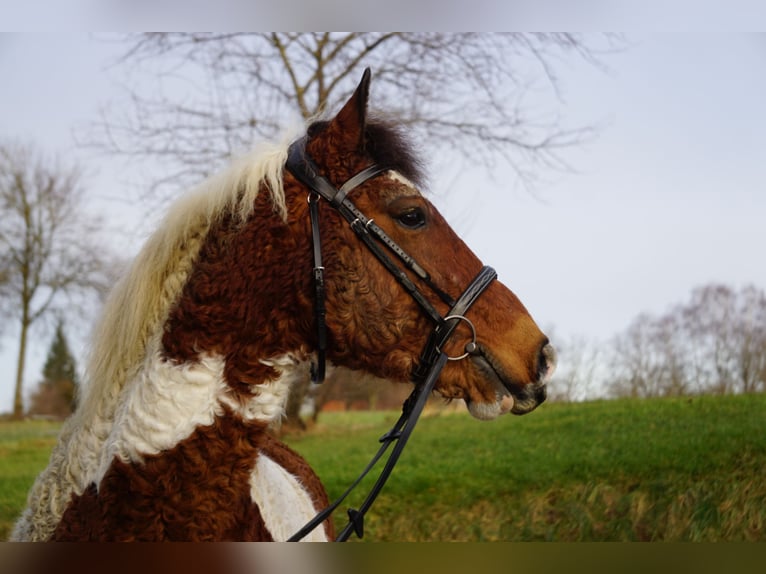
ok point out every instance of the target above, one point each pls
(211, 95)
(752, 346)
(671, 343)
(709, 321)
(576, 371)
(714, 343)
(729, 332)
(636, 368)
(46, 243)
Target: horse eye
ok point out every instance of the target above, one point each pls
(412, 219)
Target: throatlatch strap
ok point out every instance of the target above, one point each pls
(320, 310)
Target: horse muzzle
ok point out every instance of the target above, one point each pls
(529, 397)
(513, 396)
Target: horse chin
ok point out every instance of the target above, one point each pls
(510, 397)
(490, 411)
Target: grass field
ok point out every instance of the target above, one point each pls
(665, 469)
(24, 451)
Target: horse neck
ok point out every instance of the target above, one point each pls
(230, 339)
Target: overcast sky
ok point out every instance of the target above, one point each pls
(669, 196)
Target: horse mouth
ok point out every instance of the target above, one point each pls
(513, 396)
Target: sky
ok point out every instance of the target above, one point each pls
(669, 196)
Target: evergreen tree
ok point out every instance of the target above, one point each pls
(55, 395)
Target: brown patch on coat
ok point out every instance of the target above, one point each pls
(248, 297)
(197, 491)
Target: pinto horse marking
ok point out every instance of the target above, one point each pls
(200, 342)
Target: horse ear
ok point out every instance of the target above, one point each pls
(351, 119)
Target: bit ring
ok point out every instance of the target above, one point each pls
(471, 346)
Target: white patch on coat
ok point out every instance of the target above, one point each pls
(162, 407)
(399, 178)
(268, 404)
(284, 503)
(168, 401)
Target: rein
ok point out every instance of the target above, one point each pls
(432, 359)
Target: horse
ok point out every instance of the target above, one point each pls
(231, 302)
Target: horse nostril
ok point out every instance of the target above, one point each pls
(546, 363)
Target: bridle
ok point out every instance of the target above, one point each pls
(432, 358)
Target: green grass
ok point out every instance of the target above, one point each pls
(681, 470)
(24, 450)
(666, 469)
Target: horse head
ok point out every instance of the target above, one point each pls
(250, 298)
(374, 324)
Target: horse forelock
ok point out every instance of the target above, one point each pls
(386, 144)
